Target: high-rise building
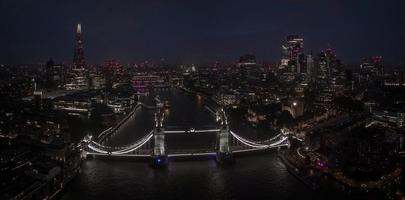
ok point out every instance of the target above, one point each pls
(291, 51)
(324, 66)
(295, 44)
(78, 57)
(328, 63)
(310, 65)
(372, 66)
(300, 63)
(285, 58)
(78, 77)
(55, 75)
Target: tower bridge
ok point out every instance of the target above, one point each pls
(153, 144)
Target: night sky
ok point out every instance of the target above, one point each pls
(198, 31)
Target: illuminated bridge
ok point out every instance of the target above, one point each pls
(153, 145)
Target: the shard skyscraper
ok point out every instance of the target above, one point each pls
(78, 57)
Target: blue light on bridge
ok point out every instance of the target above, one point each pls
(158, 160)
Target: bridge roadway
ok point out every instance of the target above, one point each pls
(188, 153)
(147, 153)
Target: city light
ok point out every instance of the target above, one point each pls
(202, 100)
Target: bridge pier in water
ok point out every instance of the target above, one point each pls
(224, 153)
(159, 157)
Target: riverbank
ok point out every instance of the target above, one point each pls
(297, 172)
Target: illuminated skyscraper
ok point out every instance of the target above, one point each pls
(295, 46)
(372, 66)
(291, 50)
(323, 66)
(78, 57)
(310, 65)
(78, 77)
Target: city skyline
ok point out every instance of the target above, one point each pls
(200, 32)
(277, 99)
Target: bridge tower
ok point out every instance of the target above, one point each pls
(224, 152)
(159, 157)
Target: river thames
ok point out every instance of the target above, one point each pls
(253, 177)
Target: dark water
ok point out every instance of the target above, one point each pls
(254, 177)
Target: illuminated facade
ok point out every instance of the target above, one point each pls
(77, 78)
(291, 51)
(78, 57)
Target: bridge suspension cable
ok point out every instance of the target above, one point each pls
(100, 148)
(134, 148)
(258, 145)
(273, 138)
